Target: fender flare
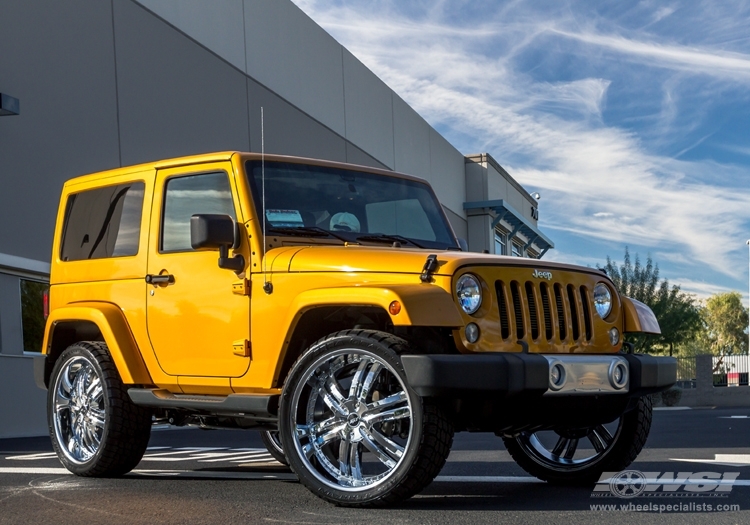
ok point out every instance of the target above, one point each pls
(116, 333)
(639, 317)
(421, 305)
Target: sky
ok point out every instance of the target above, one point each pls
(631, 119)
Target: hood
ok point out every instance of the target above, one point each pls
(377, 259)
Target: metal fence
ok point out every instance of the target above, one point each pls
(728, 370)
(731, 370)
(686, 372)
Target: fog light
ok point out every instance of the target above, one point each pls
(614, 336)
(556, 376)
(472, 332)
(618, 374)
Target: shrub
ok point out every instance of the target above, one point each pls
(672, 396)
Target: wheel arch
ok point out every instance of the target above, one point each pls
(94, 321)
(317, 313)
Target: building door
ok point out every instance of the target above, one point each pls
(193, 317)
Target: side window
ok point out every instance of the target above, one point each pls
(105, 222)
(186, 196)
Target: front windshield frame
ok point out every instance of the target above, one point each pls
(356, 212)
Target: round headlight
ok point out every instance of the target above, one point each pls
(469, 293)
(602, 300)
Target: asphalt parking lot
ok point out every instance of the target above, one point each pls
(226, 477)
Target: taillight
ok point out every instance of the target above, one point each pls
(45, 303)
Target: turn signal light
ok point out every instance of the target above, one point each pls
(394, 308)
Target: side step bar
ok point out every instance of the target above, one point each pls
(252, 406)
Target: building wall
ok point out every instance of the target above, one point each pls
(104, 84)
(111, 83)
(288, 53)
(487, 181)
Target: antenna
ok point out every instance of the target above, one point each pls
(267, 285)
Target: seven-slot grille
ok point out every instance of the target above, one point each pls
(544, 311)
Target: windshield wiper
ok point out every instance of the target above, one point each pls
(306, 231)
(382, 237)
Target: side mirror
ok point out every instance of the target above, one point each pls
(463, 244)
(211, 232)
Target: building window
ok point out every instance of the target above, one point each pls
(531, 254)
(517, 250)
(32, 314)
(501, 239)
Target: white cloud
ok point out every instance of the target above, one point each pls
(702, 290)
(467, 77)
(663, 12)
(706, 61)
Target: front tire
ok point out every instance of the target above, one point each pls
(96, 430)
(352, 429)
(555, 456)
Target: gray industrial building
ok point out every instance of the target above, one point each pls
(90, 85)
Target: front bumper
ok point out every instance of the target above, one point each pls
(521, 374)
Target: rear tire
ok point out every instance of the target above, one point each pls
(563, 462)
(272, 441)
(96, 430)
(352, 429)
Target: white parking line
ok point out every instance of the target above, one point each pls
(728, 460)
(487, 479)
(208, 474)
(179, 451)
(258, 475)
(33, 470)
(33, 457)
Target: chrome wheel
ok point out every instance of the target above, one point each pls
(353, 420)
(570, 449)
(352, 429)
(95, 429)
(581, 454)
(272, 440)
(79, 410)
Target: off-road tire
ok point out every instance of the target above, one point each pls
(628, 442)
(126, 429)
(425, 451)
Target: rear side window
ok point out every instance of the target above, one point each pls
(189, 195)
(101, 223)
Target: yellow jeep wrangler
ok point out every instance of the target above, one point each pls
(330, 306)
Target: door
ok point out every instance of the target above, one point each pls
(193, 316)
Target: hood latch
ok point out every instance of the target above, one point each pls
(431, 265)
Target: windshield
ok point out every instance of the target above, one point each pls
(319, 201)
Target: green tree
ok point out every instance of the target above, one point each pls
(725, 321)
(677, 312)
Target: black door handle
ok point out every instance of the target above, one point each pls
(166, 278)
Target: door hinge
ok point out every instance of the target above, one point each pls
(241, 287)
(243, 348)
